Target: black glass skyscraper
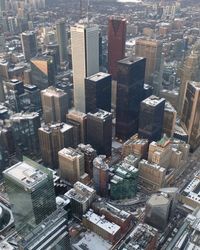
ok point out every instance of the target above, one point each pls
(99, 131)
(151, 118)
(130, 84)
(98, 92)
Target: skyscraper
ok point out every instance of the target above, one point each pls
(43, 71)
(25, 131)
(130, 84)
(191, 113)
(29, 44)
(116, 43)
(79, 120)
(31, 192)
(101, 175)
(53, 138)
(152, 51)
(151, 118)
(54, 105)
(71, 164)
(98, 92)
(85, 59)
(99, 131)
(62, 39)
(190, 72)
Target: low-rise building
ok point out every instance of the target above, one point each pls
(98, 224)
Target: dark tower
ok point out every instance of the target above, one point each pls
(98, 92)
(151, 118)
(130, 85)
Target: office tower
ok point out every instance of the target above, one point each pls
(16, 86)
(101, 175)
(123, 185)
(81, 197)
(151, 175)
(89, 155)
(52, 138)
(169, 121)
(116, 43)
(151, 118)
(29, 44)
(152, 51)
(191, 114)
(130, 84)
(54, 105)
(99, 131)
(190, 72)
(53, 233)
(62, 39)
(85, 59)
(43, 71)
(71, 164)
(25, 131)
(157, 212)
(79, 120)
(31, 192)
(98, 92)
(34, 97)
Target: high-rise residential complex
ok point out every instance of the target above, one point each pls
(43, 71)
(52, 138)
(191, 113)
(25, 132)
(54, 105)
(99, 131)
(85, 59)
(98, 92)
(101, 175)
(130, 83)
(71, 164)
(116, 43)
(151, 118)
(78, 120)
(31, 192)
(62, 39)
(29, 44)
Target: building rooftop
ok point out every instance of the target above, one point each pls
(152, 165)
(192, 191)
(196, 85)
(98, 76)
(130, 60)
(52, 91)
(158, 200)
(100, 162)
(101, 222)
(25, 175)
(169, 107)
(24, 116)
(63, 127)
(101, 114)
(70, 153)
(153, 100)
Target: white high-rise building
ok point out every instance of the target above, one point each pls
(85, 59)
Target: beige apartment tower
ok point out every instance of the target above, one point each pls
(54, 105)
(71, 164)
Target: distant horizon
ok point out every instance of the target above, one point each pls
(129, 1)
